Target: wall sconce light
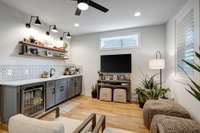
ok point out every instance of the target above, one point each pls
(52, 28)
(37, 21)
(68, 35)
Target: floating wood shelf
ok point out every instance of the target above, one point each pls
(47, 49)
(43, 47)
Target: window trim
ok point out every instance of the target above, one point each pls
(119, 36)
(193, 5)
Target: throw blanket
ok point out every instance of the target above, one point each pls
(165, 107)
(170, 124)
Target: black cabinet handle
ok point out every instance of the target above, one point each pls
(62, 88)
(54, 90)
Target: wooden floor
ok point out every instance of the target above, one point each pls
(124, 116)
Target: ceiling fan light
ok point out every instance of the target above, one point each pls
(54, 29)
(137, 14)
(83, 6)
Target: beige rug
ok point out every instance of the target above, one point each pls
(67, 107)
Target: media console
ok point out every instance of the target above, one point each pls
(124, 83)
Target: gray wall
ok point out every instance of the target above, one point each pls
(13, 30)
(86, 53)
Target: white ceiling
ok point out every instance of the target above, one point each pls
(121, 14)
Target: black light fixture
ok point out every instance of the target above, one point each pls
(37, 21)
(68, 35)
(52, 28)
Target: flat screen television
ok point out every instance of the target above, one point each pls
(116, 63)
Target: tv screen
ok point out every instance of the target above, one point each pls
(116, 63)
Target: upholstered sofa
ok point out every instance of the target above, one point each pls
(23, 124)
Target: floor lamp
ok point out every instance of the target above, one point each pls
(158, 64)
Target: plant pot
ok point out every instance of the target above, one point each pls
(94, 94)
(141, 105)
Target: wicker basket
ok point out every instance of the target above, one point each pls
(106, 94)
(120, 95)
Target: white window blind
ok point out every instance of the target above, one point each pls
(120, 42)
(185, 42)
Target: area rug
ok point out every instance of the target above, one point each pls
(67, 107)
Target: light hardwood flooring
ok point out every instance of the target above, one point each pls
(118, 115)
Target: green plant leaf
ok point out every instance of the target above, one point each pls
(196, 92)
(197, 55)
(192, 65)
(194, 95)
(195, 84)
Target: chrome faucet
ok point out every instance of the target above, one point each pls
(52, 72)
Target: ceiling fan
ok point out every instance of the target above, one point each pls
(83, 5)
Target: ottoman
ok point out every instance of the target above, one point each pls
(119, 95)
(165, 107)
(170, 124)
(105, 94)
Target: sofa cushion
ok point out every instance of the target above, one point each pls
(22, 124)
(116, 130)
(71, 124)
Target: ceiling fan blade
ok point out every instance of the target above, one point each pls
(97, 6)
(78, 12)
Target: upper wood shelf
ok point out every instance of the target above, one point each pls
(114, 81)
(43, 47)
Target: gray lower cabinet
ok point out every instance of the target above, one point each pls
(9, 102)
(57, 91)
(50, 94)
(74, 86)
(78, 85)
(61, 92)
(71, 87)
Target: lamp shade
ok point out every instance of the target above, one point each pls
(157, 64)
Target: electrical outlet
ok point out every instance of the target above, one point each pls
(9, 72)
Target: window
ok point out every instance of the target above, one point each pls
(120, 42)
(185, 42)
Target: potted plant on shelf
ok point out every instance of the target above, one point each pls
(150, 89)
(94, 91)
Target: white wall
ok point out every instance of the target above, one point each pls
(13, 30)
(86, 53)
(172, 79)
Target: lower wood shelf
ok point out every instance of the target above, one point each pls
(34, 55)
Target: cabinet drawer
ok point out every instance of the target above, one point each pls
(50, 84)
(60, 82)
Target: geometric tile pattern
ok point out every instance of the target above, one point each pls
(22, 72)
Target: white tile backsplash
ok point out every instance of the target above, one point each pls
(21, 72)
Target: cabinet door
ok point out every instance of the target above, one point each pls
(50, 97)
(60, 91)
(78, 85)
(71, 88)
(50, 94)
(66, 89)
